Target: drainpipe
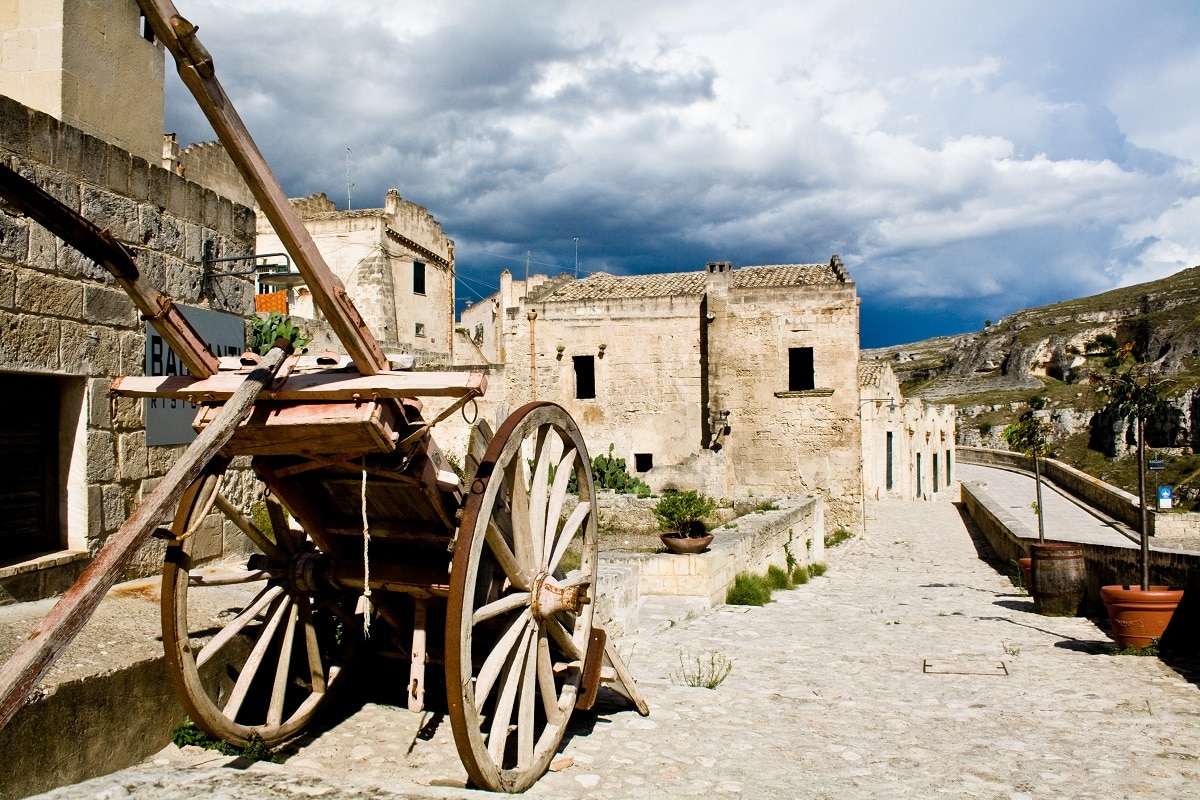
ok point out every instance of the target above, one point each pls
(532, 357)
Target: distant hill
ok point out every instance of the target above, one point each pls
(1049, 350)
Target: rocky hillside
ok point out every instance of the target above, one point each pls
(1050, 350)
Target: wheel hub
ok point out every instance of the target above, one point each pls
(549, 597)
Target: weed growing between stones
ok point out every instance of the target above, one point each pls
(799, 575)
(188, 734)
(1149, 650)
(748, 590)
(1011, 649)
(837, 537)
(816, 570)
(706, 672)
(778, 578)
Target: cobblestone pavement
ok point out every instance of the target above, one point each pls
(911, 669)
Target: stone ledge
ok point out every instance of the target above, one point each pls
(44, 561)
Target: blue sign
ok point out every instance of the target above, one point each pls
(1165, 497)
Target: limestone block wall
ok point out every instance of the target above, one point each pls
(63, 316)
(646, 359)
(780, 441)
(86, 63)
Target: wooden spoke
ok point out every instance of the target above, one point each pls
(255, 661)
(508, 704)
(501, 606)
(513, 672)
(538, 499)
(233, 628)
(231, 578)
(252, 532)
(567, 536)
(558, 495)
(267, 669)
(496, 660)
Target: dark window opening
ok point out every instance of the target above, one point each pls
(420, 329)
(935, 472)
(919, 490)
(890, 478)
(643, 462)
(949, 479)
(585, 377)
(147, 31)
(800, 369)
(29, 491)
(418, 278)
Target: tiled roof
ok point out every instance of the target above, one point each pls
(870, 373)
(602, 286)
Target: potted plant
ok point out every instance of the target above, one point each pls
(681, 515)
(1054, 574)
(1138, 614)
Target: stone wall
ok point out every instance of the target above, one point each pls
(757, 541)
(1115, 502)
(63, 316)
(780, 441)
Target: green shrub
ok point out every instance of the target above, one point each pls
(274, 326)
(684, 512)
(702, 673)
(609, 472)
(777, 578)
(799, 575)
(816, 570)
(189, 734)
(748, 590)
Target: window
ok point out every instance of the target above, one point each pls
(948, 478)
(800, 369)
(890, 479)
(420, 330)
(418, 278)
(935, 472)
(144, 24)
(29, 471)
(643, 462)
(585, 377)
(918, 476)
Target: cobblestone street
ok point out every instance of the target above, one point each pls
(911, 669)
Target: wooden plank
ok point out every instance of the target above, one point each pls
(308, 386)
(311, 428)
(37, 654)
(195, 67)
(592, 662)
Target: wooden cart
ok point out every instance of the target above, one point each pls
(374, 543)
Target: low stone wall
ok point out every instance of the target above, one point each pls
(1117, 503)
(1105, 566)
(757, 541)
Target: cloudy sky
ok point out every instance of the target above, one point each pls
(965, 159)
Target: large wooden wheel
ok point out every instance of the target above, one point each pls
(254, 650)
(519, 613)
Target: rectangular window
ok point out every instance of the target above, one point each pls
(420, 330)
(585, 377)
(918, 476)
(890, 478)
(935, 472)
(418, 278)
(643, 462)
(29, 470)
(144, 24)
(948, 478)
(800, 369)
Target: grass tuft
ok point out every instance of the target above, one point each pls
(799, 575)
(703, 672)
(777, 578)
(748, 590)
(817, 570)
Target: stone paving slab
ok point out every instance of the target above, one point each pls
(912, 669)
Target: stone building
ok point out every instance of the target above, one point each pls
(907, 445)
(735, 381)
(75, 463)
(397, 264)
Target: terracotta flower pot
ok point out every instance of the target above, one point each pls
(1026, 564)
(686, 544)
(1139, 617)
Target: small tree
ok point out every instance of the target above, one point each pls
(1031, 435)
(1135, 394)
(683, 513)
